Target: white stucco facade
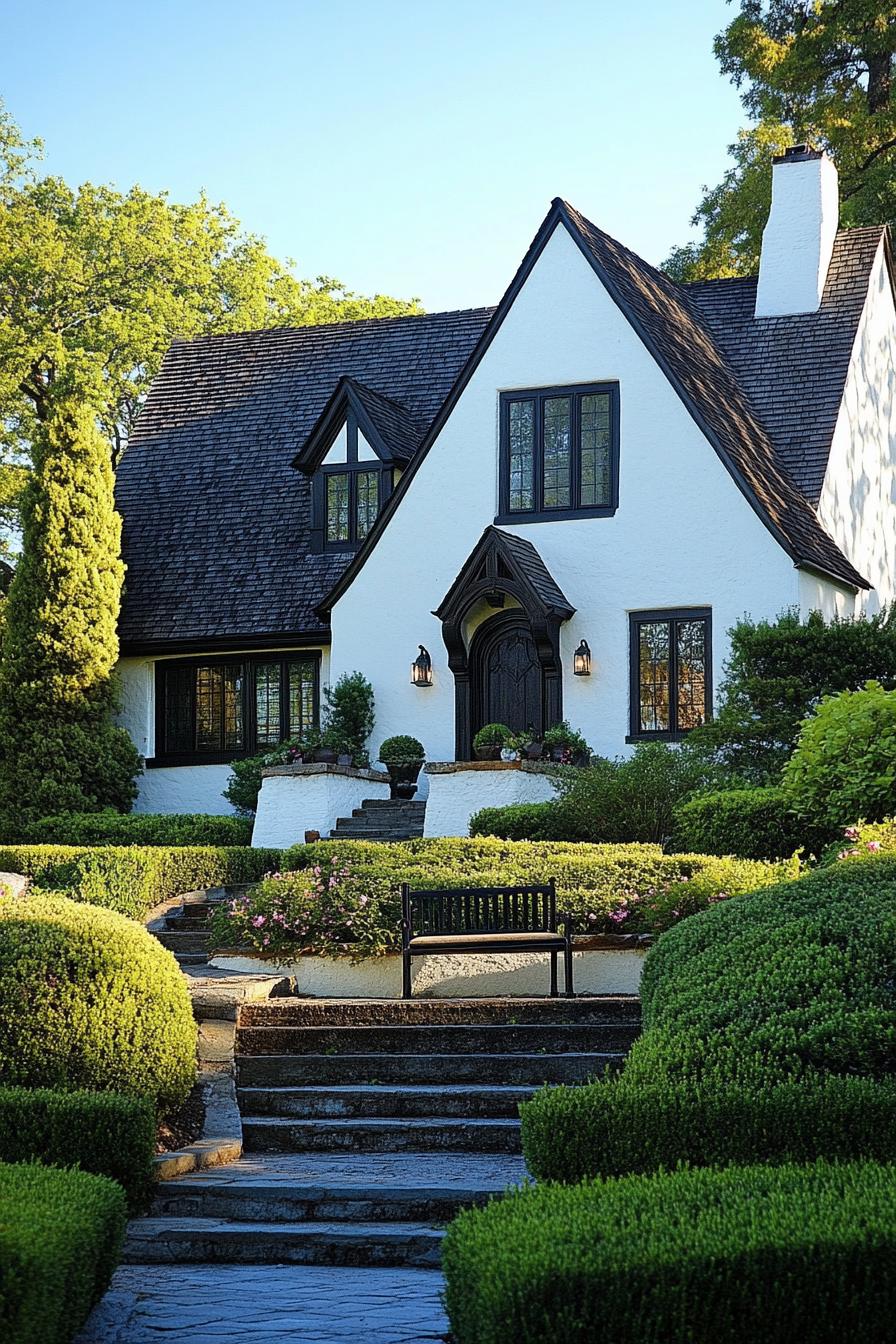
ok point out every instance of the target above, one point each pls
(683, 535)
(858, 499)
(454, 795)
(296, 799)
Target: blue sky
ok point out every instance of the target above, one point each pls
(409, 148)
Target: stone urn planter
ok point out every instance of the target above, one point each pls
(487, 753)
(403, 757)
(403, 779)
(324, 756)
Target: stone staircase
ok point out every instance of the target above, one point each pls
(386, 819)
(367, 1125)
(184, 930)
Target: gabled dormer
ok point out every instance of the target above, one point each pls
(354, 455)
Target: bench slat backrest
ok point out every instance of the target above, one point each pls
(472, 910)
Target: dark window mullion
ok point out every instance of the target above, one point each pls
(538, 454)
(673, 676)
(575, 452)
(284, 700)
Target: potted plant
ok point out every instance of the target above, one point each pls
(489, 740)
(327, 748)
(565, 746)
(528, 745)
(403, 757)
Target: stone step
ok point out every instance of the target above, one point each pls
(385, 1135)
(381, 824)
(190, 918)
(371, 1203)
(152, 1241)
(391, 804)
(294, 1011)
(184, 941)
(452, 1099)
(378, 837)
(533, 1038)
(191, 958)
(524, 1070)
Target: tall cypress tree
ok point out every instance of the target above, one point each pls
(59, 749)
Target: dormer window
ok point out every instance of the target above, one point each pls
(354, 456)
(559, 453)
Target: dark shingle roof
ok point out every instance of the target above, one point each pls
(530, 563)
(398, 430)
(216, 519)
(672, 327)
(793, 368)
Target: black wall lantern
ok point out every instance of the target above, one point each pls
(581, 662)
(421, 669)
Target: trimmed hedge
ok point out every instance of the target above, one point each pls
(765, 1254)
(751, 823)
(101, 1132)
(615, 1127)
(60, 1237)
(526, 821)
(620, 887)
(89, 999)
(133, 880)
(795, 981)
(137, 828)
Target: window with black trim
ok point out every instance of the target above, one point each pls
(559, 452)
(671, 672)
(351, 502)
(216, 709)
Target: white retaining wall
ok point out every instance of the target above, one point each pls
(299, 798)
(458, 790)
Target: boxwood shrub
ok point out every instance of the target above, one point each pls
(751, 823)
(90, 1000)
(134, 879)
(616, 1127)
(527, 821)
(701, 1256)
(137, 828)
(60, 1238)
(101, 1132)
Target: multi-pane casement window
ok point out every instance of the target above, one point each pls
(559, 452)
(213, 710)
(671, 672)
(347, 501)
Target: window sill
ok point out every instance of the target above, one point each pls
(195, 758)
(556, 515)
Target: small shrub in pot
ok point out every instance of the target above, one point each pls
(565, 746)
(490, 739)
(402, 756)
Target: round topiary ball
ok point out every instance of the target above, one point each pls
(89, 999)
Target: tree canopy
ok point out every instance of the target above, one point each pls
(809, 70)
(95, 283)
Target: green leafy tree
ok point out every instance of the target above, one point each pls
(844, 767)
(96, 283)
(820, 72)
(59, 750)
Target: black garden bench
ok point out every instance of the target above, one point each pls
(484, 919)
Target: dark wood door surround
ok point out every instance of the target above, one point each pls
(496, 670)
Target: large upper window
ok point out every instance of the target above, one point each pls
(671, 672)
(560, 452)
(216, 709)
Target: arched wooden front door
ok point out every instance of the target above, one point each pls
(508, 678)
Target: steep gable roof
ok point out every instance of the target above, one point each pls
(793, 369)
(391, 431)
(216, 519)
(670, 324)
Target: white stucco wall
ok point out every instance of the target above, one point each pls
(453, 797)
(859, 492)
(798, 239)
(683, 534)
(291, 804)
(486, 976)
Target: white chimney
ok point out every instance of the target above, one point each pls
(799, 237)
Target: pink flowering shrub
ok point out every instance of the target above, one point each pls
(866, 838)
(328, 909)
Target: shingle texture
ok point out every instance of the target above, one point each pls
(216, 519)
(672, 325)
(793, 368)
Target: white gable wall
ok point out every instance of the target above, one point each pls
(859, 492)
(683, 534)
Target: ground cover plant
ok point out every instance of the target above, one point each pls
(90, 1000)
(134, 879)
(60, 1237)
(343, 899)
(102, 1132)
(701, 1256)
